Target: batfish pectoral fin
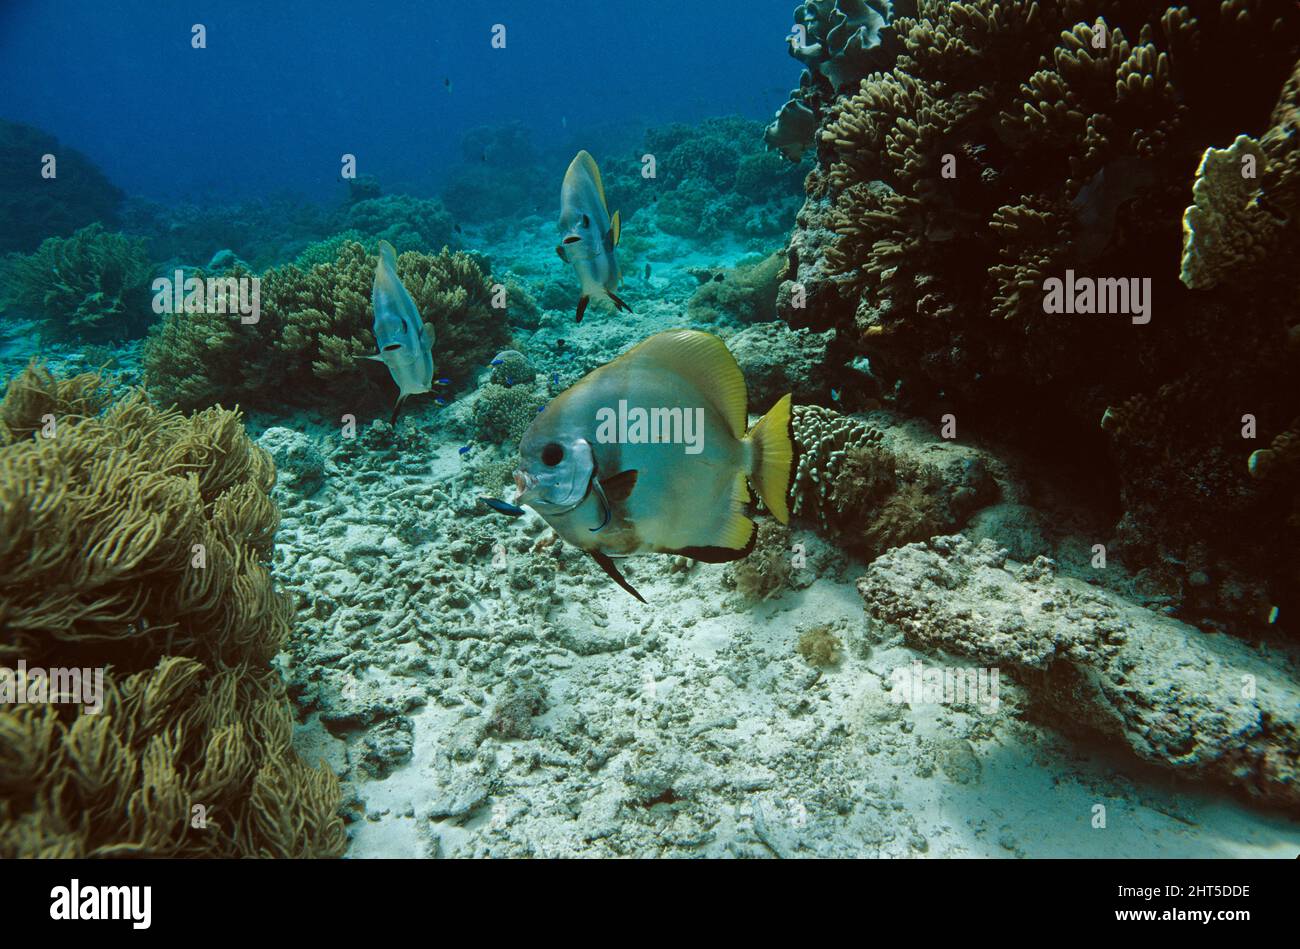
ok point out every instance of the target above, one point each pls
(607, 564)
(619, 488)
(582, 307)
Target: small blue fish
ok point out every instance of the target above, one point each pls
(835, 395)
(503, 507)
(509, 382)
(496, 362)
(440, 400)
(541, 409)
(443, 382)
(555, 378)
(463, 449)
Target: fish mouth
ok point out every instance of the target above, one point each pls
(524, 482)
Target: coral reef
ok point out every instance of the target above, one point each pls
(843, 42)
(138, 539)
(745, 294)
(496, 179)
(33, 207)
(408, 223)
(1204, 705)
(502, 413)
(264, 232)
(315, 326)
(93, 285)
(1015, 143)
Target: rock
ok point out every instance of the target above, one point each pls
(776, 359)
(1209, 706)
(1021, 529)
(460, 796)
(299, 464)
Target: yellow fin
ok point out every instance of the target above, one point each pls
(614, 224)
(773, 458)
(743, 495)
(704, 361)
(584, 158)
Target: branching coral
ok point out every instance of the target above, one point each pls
(315, 326)
(92, 285)
(138, 540)
(1017, 142)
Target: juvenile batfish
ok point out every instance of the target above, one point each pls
(405, 342)
(589, 233)
(649, 453)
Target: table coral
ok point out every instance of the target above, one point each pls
(190, 754)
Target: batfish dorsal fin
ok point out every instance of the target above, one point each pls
(584, 158)
(703, 360)
(607, 565)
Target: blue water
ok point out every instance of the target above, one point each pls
(284, 89)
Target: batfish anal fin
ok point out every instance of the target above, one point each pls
(607, 564)
(582, 307)
(712, 554)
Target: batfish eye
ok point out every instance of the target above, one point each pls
(552, 455)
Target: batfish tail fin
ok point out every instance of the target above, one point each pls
(772, 443)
